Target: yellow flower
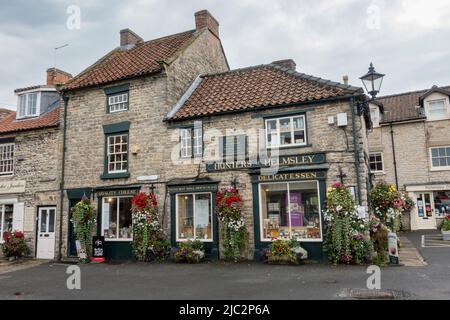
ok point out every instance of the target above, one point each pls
(392, 188)
(330, 190)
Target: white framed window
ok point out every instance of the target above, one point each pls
(437, 109)
(376, 162)
(117, 222)
(7, 159)
(191, 142)
(6, 219)
(233, 147)
(290, 210)
(194, 217)
(117, 153)
(286, 132)
(440, 158)
(118, 102)
(28, 105)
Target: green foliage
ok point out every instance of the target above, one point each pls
(15, 245)
(446, 224)
(234, 231)
(286, 251)
(83, 219)
(189, 252)
(347, 239)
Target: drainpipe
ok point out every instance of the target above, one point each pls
(63, 161)
(394, 156)
(355, 144)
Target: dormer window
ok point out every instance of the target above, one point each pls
(437, 109)
(28, 105)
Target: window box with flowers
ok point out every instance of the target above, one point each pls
(285, 252)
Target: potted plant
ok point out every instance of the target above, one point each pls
(15, 246)
(445, 228)
(189, 252)
(286, 252)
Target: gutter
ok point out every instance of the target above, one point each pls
(356, 147)
(394, 156)
(61, 195)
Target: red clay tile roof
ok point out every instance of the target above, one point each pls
(5, 112)
(255, 87)
(119, 64)
(10, 124)
(403, 107)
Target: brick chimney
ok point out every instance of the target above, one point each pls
(287, 63)
(57, 77)
(129, 39)
(204, 20)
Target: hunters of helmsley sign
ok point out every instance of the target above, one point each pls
(281, 161)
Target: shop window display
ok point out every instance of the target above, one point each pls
(117, 221)
(442, 203)
(194, 217)
(290, 210)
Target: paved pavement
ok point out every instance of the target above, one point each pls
(245, 281)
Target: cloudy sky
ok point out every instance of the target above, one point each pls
(407, 40)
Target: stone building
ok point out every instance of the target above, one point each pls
(29, 153)
(115, 137)
(144, 116)
(280, 137)
(410, 148)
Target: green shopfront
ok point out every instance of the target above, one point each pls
(288, 196)
(115, 221)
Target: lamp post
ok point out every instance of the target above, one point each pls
(372, 81)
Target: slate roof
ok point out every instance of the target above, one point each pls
(404, 106)
(120, 64)
(9, 123)
(255, 87)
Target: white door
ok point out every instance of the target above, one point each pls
(425, 216)
(46, 234)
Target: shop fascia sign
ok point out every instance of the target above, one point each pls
(16, 186)
(292, 176)
(194, 188)
(117, 193)
(281, 161)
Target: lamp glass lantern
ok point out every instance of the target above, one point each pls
(372, 81)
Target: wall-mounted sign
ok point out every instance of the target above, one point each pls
(15, 186)
(281, 161)
(194, 188)
(118, 193)
(293, 176)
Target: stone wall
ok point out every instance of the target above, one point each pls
(336, 142)
(150, 99)
(36, 161)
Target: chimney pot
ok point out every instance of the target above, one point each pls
(129, 39)
(287, 63)
(205, 20)
(345, 80)
(57, 77)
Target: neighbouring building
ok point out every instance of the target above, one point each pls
(280, 136)
(29, 153)
(410, 148)
(115, 138)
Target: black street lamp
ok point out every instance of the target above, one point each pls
(372, 81)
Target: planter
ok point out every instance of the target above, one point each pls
(446, 235)
(282, 260)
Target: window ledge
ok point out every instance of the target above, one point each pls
(107, 176)
(291, 147)
(440, 169)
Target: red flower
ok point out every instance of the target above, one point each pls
(19, 234)
(6, 236)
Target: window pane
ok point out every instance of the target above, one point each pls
(43, 225)
(110, 218)
(434, 152)
(125, 221)
(304, 210)
(299, 123)
(299, 137)
(274, 211)
(272, 133)
(8, 220)
(185, 214)
(51, 221)
(441, 152)
(442, 162)
(202, 220)
(435, 162)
